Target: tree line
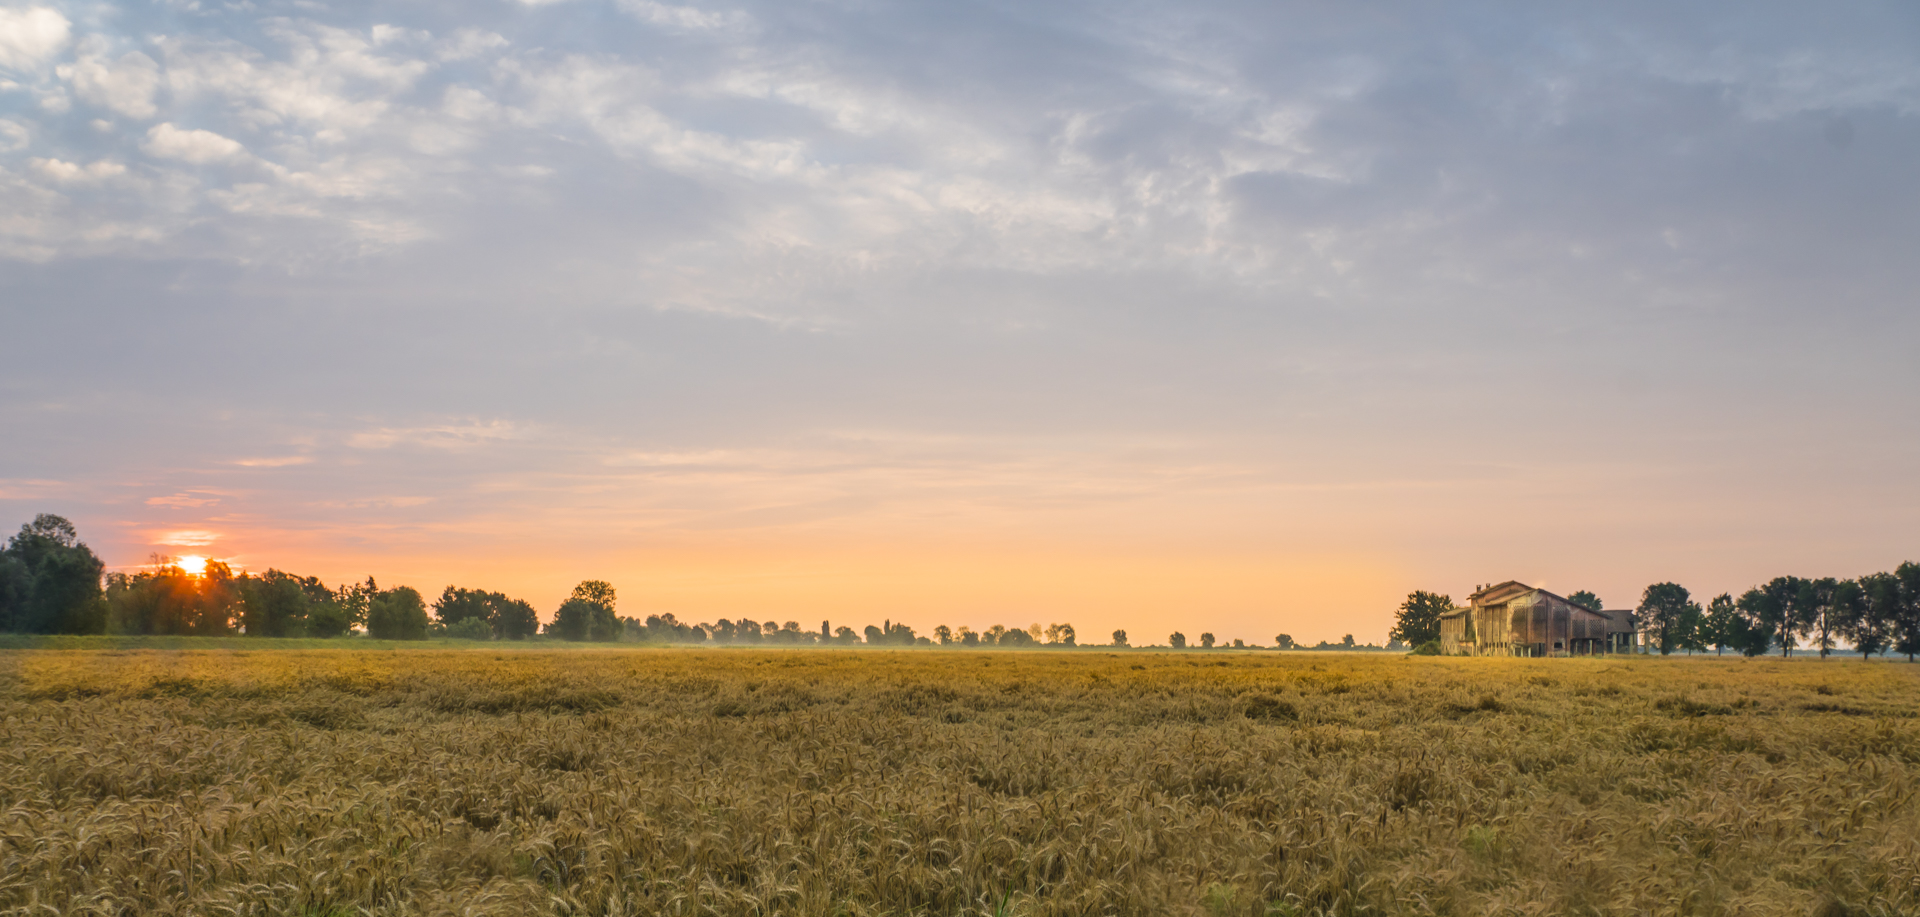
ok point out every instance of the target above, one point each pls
(1875, 613)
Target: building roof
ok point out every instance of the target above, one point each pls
(1512, 589)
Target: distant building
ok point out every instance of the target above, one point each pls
(1515, 619)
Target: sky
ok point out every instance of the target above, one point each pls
(1247, 318)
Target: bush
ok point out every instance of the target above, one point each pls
(469, 629)
(1429, 648)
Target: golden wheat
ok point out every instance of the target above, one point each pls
(679, 781)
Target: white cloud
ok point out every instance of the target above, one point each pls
(195, 146)
(468, 43)
(69, 173)
(30, 37)
(12, 136)
(126, 85)
(683, 17)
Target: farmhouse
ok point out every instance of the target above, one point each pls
(1515, 619)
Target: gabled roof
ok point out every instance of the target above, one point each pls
(1513, 589)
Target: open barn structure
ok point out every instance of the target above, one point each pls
(1515, 619)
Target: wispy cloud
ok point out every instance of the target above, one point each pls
(279, 461)
(187, 538)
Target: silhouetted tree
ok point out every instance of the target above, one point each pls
(1061, 634)
(1119, 638)
(1284, 642)
(1906, 619)
(1869, 612)
(1177, 640)
(50, 581)
(398, 614)
(968, 637)
(1665, 612)
(588, 614)
(1418, 620)
(944, 634)
(1720, 626)
(274, 604)
(1585, 599)
(1813, 612)
(1206, 641)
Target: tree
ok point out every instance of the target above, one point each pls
(944, 634)
(397, 614)
(1346, 642)
(1284, 642)
(1720, 627)
(50, 581)
(1872, 615)
(1119, 638)
(1418, 620)
(1906, 618)
(1692, 634)
(1585, 599)
(1665, 611)
(1177, 640)
(274, 604)
(1813, 612)
(968, 637)
(588, 614)
(1782, 611)
(1061, 634)
(513, 619)
(992, 635)
(456, 605)
(1206, 641)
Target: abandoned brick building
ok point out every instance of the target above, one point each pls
(1515, 619)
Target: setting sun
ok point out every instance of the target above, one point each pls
(193, 564)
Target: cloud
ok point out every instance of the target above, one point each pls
(282, 461)
(30, 37)
(125, 85)
(184, 500)
(683, 17)
(187, 538)
(13, 136)
(68, 173)
(192, 145)
(448, 436)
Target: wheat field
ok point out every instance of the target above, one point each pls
(676, 781)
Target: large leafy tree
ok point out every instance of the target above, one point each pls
(1585, 599)
(397, 614)
(1864, 611)
(1813, 612)
(50, 581)
(588, 614)
(1906, 617)
(276, 604)
(1666, 611)
(1720, 627)
(1784, 611)
(1418, 620)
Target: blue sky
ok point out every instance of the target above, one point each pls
(1249, 315)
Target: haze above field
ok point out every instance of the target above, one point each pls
(1159, 315)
